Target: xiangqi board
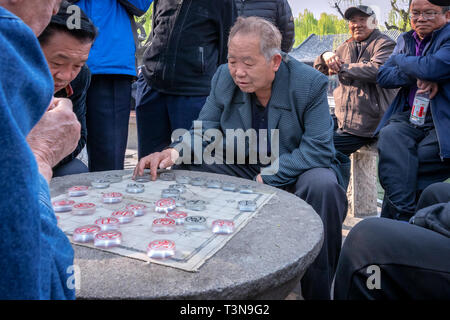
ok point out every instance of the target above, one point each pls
(186, 220)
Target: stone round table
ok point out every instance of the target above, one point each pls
(264, 260)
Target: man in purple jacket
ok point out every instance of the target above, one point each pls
(113, 67)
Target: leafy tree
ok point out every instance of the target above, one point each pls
(306, 24)
(144, 24)
(398, 17)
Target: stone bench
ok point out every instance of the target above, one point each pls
(362, 189)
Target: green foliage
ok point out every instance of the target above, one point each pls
(146, 21)
(398, 16)
(306, 24)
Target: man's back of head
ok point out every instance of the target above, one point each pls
(35, 13)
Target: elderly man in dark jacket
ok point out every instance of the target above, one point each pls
(360, 102)
(285, 102)
(415, 156)
(276, 11)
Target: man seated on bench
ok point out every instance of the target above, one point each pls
(414, 154)
(360, 102)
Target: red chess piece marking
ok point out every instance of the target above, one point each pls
(108, 235)
(112, 195)
(135, 207)
(122, 213)
(106, 221)
(176, 214)
(85, 205)
(166, 202)
(87, 229)
(78, 188)
(161, 244)
(63, 203)
(164, 222)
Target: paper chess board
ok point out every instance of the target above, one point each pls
(193, 248)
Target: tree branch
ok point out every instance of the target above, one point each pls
(336, 6)
(391, 27)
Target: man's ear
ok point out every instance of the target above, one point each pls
(276, 60)
(372, 22)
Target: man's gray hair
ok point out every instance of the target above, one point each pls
(269, 35)
(445, 9)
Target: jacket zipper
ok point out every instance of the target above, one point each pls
(180, 4)
(202, 59)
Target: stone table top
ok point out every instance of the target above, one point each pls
(265, 259)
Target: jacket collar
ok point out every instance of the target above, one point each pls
(352, 43)
(279, 100)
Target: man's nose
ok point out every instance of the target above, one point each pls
(240, 72)
(421, 18)
(64, 74)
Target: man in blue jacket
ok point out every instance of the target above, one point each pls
(412, 157)
(36, 256)
(113, 67)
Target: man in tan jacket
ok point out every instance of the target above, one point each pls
(360, 102)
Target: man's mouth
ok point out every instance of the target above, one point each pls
(59, 86)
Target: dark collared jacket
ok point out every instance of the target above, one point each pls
(187, 43)
(276, 11)
(80, 86)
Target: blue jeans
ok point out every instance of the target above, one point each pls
(107, 117)
(75, 166)
(159, 114)
(409, 161)
(348, 143)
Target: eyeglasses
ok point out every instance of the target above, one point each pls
(427, 15)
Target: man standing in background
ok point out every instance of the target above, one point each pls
(276, 11)
(187, 43)
(112, 64)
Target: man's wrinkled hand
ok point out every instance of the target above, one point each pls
(333, 62)
(259, 179)
(55, 136)
(427, 86)
(161, 160)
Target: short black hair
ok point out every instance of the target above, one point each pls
(59, 23)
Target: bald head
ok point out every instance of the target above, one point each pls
(35, 13)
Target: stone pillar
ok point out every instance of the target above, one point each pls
(362, 189)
